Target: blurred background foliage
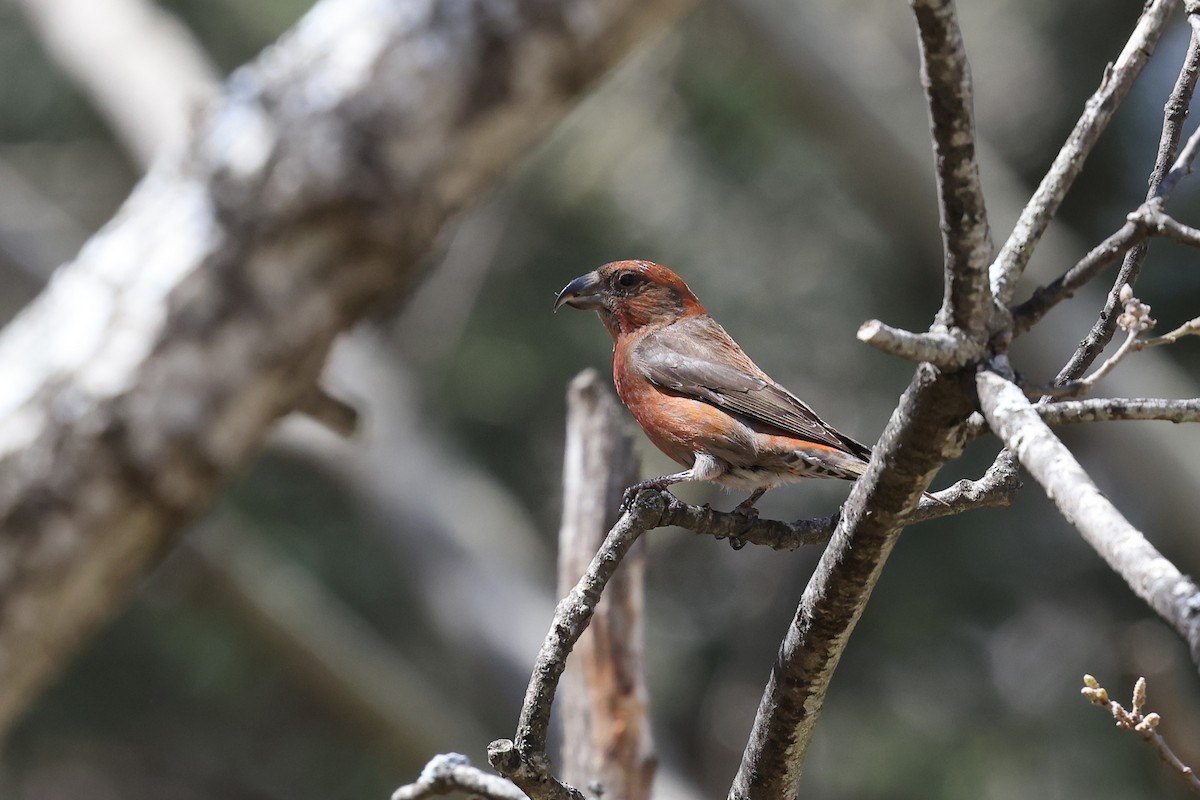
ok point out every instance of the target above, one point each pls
(353, 607)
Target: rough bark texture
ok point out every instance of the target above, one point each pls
(966, 237)
(916, 442)
(606, 730)
(153, 364)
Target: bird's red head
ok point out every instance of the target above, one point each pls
(631, 296)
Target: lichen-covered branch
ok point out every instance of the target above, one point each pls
(153, 365)
(966, 238)
(918, 439)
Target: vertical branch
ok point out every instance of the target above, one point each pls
(917, 441)
(1041, 208)
(966, 237)
(606, 733)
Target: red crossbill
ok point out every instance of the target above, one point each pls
(698, 396)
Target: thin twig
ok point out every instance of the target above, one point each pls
(1144, 724)
(1142, 223)
(1035, 217)
(1187, 156)
(1168, 169)
(1151, 576)
(1030, 312)
(1135, 320)
(1189, 328)
(989, 491)
(1128, 346)
(525, 761)
(1107, 409)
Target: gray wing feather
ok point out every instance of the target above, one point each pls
(733, 389)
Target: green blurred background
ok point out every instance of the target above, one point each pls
(353, 607)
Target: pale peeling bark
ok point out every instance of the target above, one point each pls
(153, 365)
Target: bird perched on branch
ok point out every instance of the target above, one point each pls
(698, 396)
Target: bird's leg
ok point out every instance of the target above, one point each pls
(659, 483)
(746, 507)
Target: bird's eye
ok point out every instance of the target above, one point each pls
(628, 279)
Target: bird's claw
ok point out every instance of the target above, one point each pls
(737, 542)
(749, 512)
(627, 499)
(630, 495)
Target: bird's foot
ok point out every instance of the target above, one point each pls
(751, 515)
(743, 510)
(632, 492)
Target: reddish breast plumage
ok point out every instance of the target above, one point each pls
(699, 397)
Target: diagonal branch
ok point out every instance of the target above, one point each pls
(917, 441)
(1167, 172)
(966, 238)
(155, 363)
(525, 761)
(1041, 208)
(1152, 577)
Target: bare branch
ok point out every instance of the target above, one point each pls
(966, 238)
(1144, 724)
(1027, 314)
(918, 439)
(452, 772)
(155, 363)
(991, 491)
(1187, 156)
(944, 349)
(1108, 409)
(525, 761)
(1151, 576)
(1167, 171)
(1147, 220)
(1036, 216)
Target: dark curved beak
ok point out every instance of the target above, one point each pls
(584, 292)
